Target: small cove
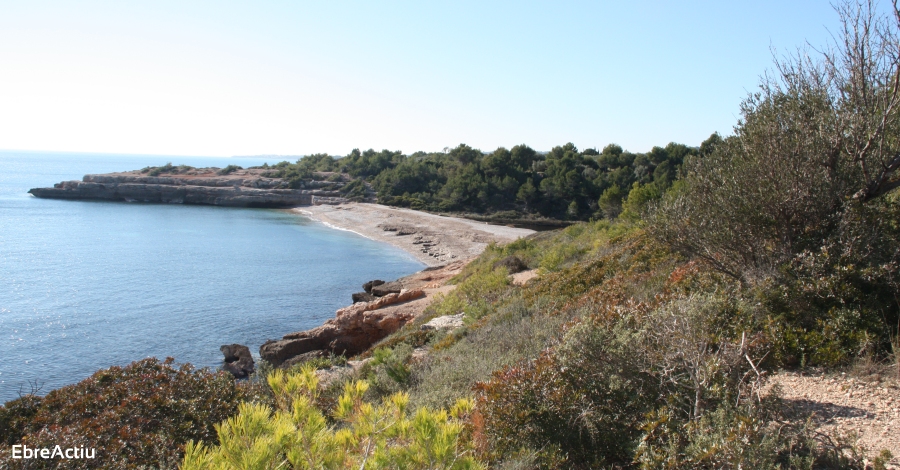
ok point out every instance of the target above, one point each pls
(87, 285)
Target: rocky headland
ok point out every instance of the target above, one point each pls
(209, 186)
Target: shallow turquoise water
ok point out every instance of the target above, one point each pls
(86, 285)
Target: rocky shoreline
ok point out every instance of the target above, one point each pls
(357, 327)
(444, 244)
(241, 188)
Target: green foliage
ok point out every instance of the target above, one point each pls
(639, 198)
(799, 202)
(611, 201)
(563, 184)
(390, 369)
(167, 168)
(230, 169)
(665, 384)
(475, 294)
(739, 437)
(297, 434)
(141, 414)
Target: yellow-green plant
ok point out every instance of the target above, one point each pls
(363, 435)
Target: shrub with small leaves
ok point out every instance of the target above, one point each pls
(138, 415)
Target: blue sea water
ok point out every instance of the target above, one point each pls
(87, 285)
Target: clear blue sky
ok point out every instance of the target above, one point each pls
(293, 77)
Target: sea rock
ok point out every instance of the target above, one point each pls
(363, 297)
(513, 264)
(369, 285)
(382, 290)
(353, 330)
(238, 360)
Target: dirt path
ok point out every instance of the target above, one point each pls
(843, 405)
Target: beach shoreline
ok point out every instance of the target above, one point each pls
(433, 239)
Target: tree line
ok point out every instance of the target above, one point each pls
(565, 183)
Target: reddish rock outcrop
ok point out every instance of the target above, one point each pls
(353, 330)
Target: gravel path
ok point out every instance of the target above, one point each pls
(843, 405)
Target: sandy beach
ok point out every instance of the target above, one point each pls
(433, 239)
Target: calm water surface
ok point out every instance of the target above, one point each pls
(87, 285)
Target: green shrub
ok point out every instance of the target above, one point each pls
(668, 384)
(515, 332)
(230, 169)
(728, 437)
(297, 434)
(167, 168)
(140, 414)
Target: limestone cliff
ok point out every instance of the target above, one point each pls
(242, 188)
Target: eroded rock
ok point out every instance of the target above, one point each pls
(382, 290)
(362, 297)
(353, 330)
(369, 285)
(238, 360)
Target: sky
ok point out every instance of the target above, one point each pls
(228, 78)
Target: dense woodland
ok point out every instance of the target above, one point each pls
(646, 339)
(564, 183)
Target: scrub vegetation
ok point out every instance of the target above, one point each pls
(647, 336)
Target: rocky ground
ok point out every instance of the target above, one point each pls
(433, 239)
(866, 409)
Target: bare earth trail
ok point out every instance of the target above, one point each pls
(839, 404)
(433, 239)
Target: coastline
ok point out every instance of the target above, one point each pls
(444, 244)
(434, 240)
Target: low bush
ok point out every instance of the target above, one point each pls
(664, 385)
(230, 169)
(138, 415)
(167, 168)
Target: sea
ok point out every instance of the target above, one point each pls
(86, 285)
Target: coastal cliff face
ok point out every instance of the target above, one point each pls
(243, 188)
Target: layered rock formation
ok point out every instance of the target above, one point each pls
(357, 327)
(353, 330)
(243, 188)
